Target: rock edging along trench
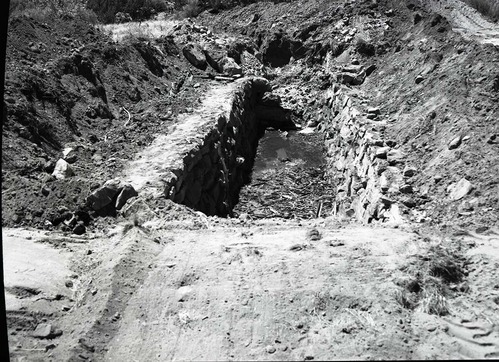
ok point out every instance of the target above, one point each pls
(209, 156)
(362, 166)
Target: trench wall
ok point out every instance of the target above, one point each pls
(215, 168)
(364, 170)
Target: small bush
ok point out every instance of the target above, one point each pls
(43, 10)
(190, 10)
(431, 275)
(139, 10)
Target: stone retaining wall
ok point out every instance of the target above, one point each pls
(215, 168)
(365, 171)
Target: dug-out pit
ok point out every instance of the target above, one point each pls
(289, 164)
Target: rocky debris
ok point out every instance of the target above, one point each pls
(62, 170)
(69, 155)
(183, 293)
(406, 189)
(195, 55)
(351, 78)
(79, 229)
(395, 156)
(460, 189)
(46, 331)
(127, 192)
(455, 143)
(409, 171)
(381, 152)
(104, 195)
(314, 235)
(230, 67)
(270, 349)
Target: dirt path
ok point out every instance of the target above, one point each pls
(467, 21)
(251, 292)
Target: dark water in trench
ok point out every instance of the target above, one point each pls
(276, 148)
(288, 178)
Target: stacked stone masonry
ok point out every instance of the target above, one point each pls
(365, 171)
(218, 165)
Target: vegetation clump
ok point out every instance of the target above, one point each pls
(432, 277)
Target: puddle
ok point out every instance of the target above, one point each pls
(276, 148)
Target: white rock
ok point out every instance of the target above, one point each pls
(62, 170)
(183, 293)
(460, 189)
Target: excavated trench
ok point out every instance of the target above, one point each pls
(345, 168)
(220, 173)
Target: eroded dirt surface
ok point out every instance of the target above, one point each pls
(171, 283)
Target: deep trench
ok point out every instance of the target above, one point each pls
(287, 163)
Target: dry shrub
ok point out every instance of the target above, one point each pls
(43, 10)
(431, 276)
(488, 8)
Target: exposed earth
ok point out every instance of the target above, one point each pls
(304, 180)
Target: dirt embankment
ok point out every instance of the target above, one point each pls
(70, 86)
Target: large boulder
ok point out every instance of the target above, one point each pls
(62, 170)
(215, 57)
(195, 55)
(230, 67)
(126, 193)
(104, 195)
(460, 189)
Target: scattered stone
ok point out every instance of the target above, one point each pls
(409, 171)
(492, 139)
(104, 195)
(309, 357)
(270, 349)
(437, 178)
(460, 189)
(336, 243)
(44, 330)
(431, 328)
(314, 234)
(62, 170)
(395, 156)
(230, 67)
(419, 79)
(455, 143)
(382, 152)
(183, 293)
(49, 347)
(195, 55)
(69, 155)
(126, 193)
(45, 191)
(297, 247)
(374, 110)
(406, 189)
(79, 229)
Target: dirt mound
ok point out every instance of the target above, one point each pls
(104, 100)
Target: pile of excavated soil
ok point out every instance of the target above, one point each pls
(70, 86)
